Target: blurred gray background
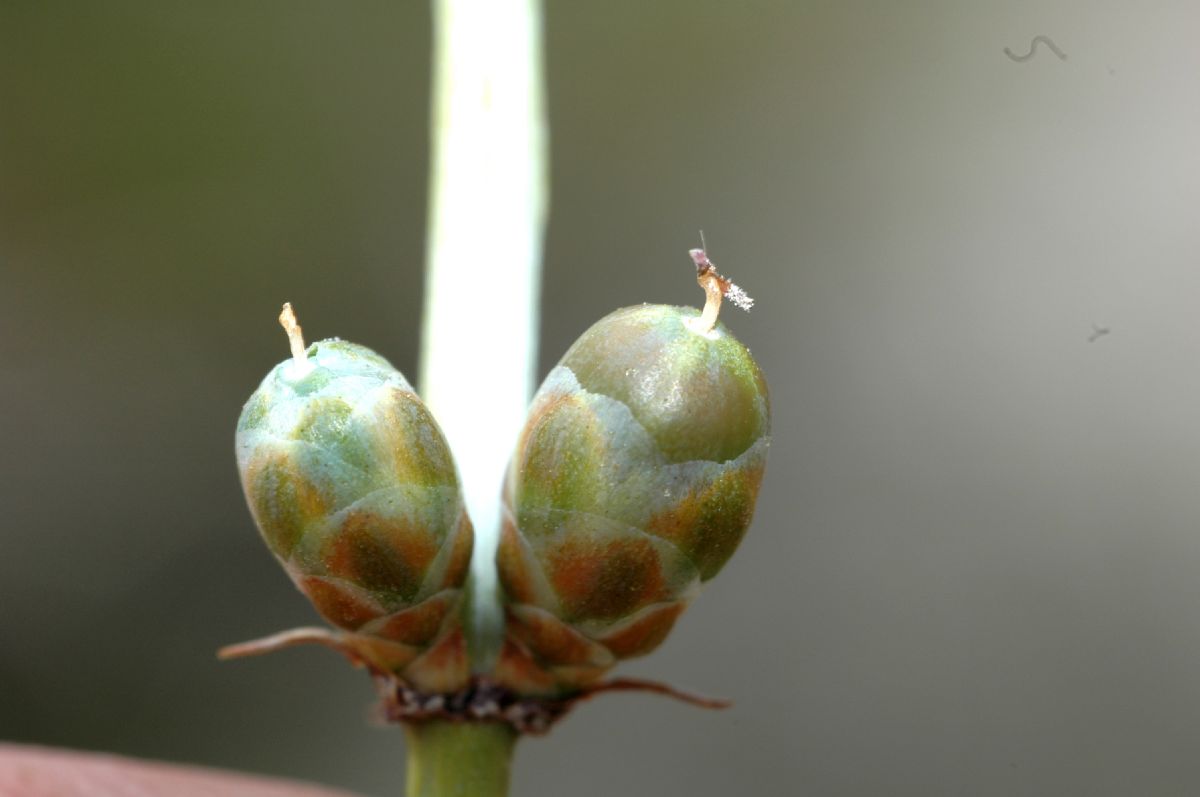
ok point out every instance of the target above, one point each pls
(975, 567)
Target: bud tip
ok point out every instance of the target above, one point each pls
(715, 288)
(300, 365)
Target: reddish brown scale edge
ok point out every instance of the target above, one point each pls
(482, 700)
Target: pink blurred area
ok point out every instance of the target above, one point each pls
(27, 771)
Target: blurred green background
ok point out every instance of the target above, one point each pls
(976, 563)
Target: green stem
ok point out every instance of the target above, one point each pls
(459, 759)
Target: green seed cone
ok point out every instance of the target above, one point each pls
(355, 492)
(634, 480)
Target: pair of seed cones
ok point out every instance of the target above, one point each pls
(632, 483)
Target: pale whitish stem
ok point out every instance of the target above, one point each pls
(488, 200)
